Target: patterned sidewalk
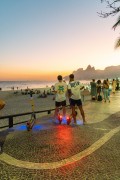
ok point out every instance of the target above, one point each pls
(53, 151)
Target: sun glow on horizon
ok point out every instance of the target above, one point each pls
(55, 40)
(16, 75)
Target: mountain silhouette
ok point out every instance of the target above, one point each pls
(92, 73)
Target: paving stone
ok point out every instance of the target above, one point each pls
(60, 142)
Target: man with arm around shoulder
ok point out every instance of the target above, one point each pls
(75, 97)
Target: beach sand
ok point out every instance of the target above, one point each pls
(18, 103)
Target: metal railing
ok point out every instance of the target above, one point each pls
(11, 117)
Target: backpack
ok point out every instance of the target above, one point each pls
(93, 98)
(99, 98)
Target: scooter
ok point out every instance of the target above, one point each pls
(31, 122)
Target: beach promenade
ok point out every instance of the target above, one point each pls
(68, 152)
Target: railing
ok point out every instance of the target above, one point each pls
(10, 117)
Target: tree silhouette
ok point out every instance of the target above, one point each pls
(114, 8)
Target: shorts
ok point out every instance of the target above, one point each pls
(74, 102)
(62, 103)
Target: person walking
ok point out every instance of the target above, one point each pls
(99, 97)
(117, 84)
(113, 86)
(93, 90)
(105, 90)
(74, 88)
(98, 87)
(60, 95)
(109, 90)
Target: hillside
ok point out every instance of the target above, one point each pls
(92, 73)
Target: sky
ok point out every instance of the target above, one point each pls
(40, 39)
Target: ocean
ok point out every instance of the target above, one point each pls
(8, 85)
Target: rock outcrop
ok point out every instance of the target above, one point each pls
(92, 73)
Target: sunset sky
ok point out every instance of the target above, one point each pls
(40, 39)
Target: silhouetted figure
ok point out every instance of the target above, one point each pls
(93, 89)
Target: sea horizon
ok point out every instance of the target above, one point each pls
(31, 84)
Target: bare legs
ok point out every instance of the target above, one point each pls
(64, 110)
(81, 111)
(57, 110)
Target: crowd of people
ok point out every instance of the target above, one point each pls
(61, 91)
(101, 90)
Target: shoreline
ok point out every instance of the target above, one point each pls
(19, 90)
(18, 85)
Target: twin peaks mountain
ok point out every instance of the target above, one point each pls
(92, 73)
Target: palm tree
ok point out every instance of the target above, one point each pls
(114, 10)
(117, 44)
